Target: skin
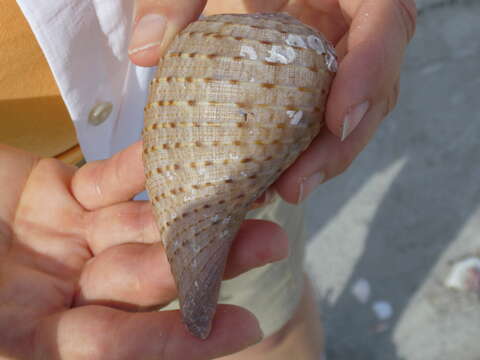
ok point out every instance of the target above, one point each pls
(76, 254)
(76, 260)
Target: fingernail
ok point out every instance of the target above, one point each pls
(309, 184)
(148, 33)
(353, 118)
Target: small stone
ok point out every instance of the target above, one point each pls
(383, 309)
(361, 290)
(465, 275)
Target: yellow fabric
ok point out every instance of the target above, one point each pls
(32, 113)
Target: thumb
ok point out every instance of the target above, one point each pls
(156, 23)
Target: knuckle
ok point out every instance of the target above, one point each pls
(408, 16)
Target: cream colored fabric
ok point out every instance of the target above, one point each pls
(273, 291)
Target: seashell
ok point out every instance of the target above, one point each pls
(235, 100)
(465, 275)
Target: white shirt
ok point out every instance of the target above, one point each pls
(85, 43)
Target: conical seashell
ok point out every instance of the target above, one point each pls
(234, 102)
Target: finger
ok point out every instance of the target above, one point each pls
(133, 276)
(245, 6)
(130, 277)
(258, 243)
(133, 222)
(324, 15)
(127, 222)
(327, 6)
(101, 333)
(106, 182)
(325, 158)
(156, 24)
(375, 46)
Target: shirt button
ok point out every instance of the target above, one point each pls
(99, 113)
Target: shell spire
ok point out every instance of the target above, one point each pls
(234, 102)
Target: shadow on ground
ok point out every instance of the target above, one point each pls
(407, 197)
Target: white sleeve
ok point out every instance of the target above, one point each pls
(85, 44)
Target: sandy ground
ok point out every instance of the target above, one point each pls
(407, 209)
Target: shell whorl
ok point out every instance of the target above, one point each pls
(234, 101)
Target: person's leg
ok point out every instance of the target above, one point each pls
(301, 338)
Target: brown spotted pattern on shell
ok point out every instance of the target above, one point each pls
(234, 102)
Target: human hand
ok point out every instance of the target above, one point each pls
(370, 37)
(80, 266)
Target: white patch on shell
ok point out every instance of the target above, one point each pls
(465, 275)
(188, 198)
(295, 40)
(383, 310)
(317, 44)
(323, 47)
(361, 290)
(195, 248)
(224, 177)
(248, 52)
(331, 59)
(281, 54)
(295, 116)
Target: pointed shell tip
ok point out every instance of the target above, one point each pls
(200, 330)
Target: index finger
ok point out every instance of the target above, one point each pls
(157, 22)
(374, 49)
